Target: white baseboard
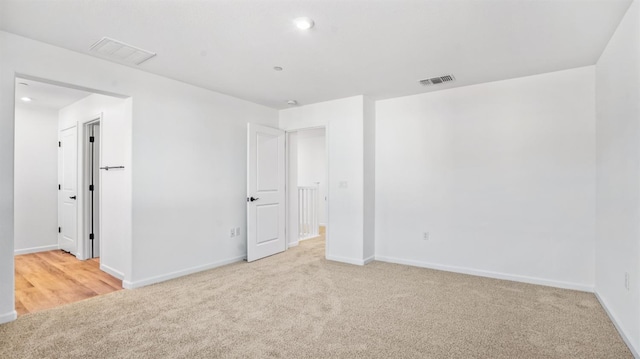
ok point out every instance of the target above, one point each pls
(35, 249)
(164, 277)
(305, 238)
(489, 274)
(358, 262)
(293, 244)
(369, 259)
(112, 271)
(8, 317)
(615, 324)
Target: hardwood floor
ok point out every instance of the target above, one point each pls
(50, 279)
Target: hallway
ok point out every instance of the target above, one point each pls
(50, 279)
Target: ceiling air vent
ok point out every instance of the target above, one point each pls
(437, 80)
(119, 51)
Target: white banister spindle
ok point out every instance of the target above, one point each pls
(308, 222)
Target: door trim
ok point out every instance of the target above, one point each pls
(83, 226)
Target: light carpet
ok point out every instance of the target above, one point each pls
(299, 305)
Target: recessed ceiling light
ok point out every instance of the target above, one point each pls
(277, 68)
(26, 99)
(292, 102)
(303, 23)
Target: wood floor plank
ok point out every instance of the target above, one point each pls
(48, 279)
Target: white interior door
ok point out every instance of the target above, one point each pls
(265, 192)
(67, 194)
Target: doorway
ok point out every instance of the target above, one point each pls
(58, 150)
(307, 185)
(287, 192)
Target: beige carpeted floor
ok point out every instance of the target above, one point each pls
(298, 305)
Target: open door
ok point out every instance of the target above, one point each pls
(67, 190)
(265, 192)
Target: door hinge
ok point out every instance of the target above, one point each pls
(90, 187)
(59, 187)
(59, 230)
(91, 236)
(91, 138)
(59, 144)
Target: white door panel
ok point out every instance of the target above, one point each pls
(265, 192)
(67, 195)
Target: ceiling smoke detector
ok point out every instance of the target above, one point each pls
(437, 80)
(119, 51)
(292, 103)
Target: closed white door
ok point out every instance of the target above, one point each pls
(265, 192)
(67, 193)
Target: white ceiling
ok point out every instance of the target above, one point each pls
(45, 95)
(376, 48)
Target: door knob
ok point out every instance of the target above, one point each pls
(251, 199)
(72, 197)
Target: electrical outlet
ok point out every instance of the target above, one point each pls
(237, 231)
(232, 232)
(626, 280)
(425, 236)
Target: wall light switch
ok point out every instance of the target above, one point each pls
(237, 231)
(232, 232)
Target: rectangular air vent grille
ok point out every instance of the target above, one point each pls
(437, 80)
(119, 51)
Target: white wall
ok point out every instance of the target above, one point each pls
(312, 164)
(501, 175)
(188, 166)
(344, 130)
(36, 179)
(190, 170)
(618, 176)
(115, 185)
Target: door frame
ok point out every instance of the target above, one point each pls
(127, 250)
(84, 249)
(288, 185)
